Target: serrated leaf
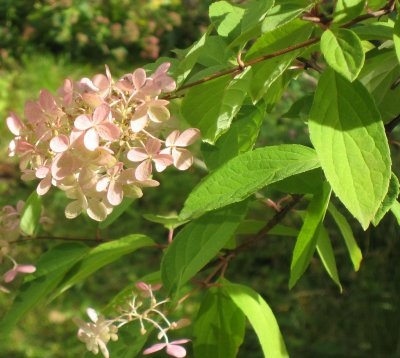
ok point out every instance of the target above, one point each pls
(389, 200)
(347, 10)
(251, 227)
(349, 137)
(219, 327)
(31, 214)
(260, 317)
(308, 236)
(304, 183)
(240, 137)
(198, 242)
(212, 105)
(103, 255)
(325, 252)
(226, 17)
(343, 52)
(116, 213)
(395, 209)
(266, 72)
(243, 175)
(351, 243)
(215, 52)
(374, 31)
(51, 268)
(283, 13)
(380, 72)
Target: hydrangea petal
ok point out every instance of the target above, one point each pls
(108, 131)
(91, 139)
(154, 348)
(188, 137)
(183, 159)
(83, 122)
(59, 144)
(158, 114)
(176, 351)
(137, 154)
(143, 171)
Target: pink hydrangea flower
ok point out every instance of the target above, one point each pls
(97, 126)
(176, 143)
(146, 155)
(173, 348)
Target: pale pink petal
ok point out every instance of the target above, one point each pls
(10, 275)
(142, 286)
(26, 268)
(143, 171)
(188, 137)
(115, 194)
(139, 78)
(73, 209)
(44, 186)
(42, 172)
(162, 161)
(101, 114)
(85, 84)
(153, 145)
(91, 139)
(92, 99)
(83, 122)
(102, 184)
(96, 210)
(33, 112)
(47, 101)
(108, 131)
(62, 166)
(176, 351)
(108, 73)
(158, 114)
(14, 124)
(172, 137)
(149, 183)
(59, 144)
(103, 348)
(155, 348)
(138, 124)
(183, 159)
(137, 154)
(101, 81)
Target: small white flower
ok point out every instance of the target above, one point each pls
(96, 334)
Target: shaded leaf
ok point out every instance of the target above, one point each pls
(390, 198)
(31, 214)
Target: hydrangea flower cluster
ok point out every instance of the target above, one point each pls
(143, 308)
(9, 231)
(98, 139)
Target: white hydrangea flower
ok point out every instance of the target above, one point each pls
(96, 334)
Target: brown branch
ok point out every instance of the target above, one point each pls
(237, 69)
(392, 124)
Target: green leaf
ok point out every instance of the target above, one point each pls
(243, 175)
(169, 222)
(325, 252)
(389, 200)
(395, 209)
(308, 236)
(255, 12)
(212, 105)
(189, 60)
(347, 10)
(260, 317)
(380, 72)
(198, 242)
(116, 213)
(304, 183)
(283, 13)
(31, 214)
(103, 255)
(239, 139)
(215, 52)
(51, 268)
(301, 108)
(396, 36)
(219, 327)
(374, 31)
(266, 72)
(225, 17)
(343, 51)
(349, 137)
(347, 233)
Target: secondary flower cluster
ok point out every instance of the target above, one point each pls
(9, 231)
(98, 139)
(145, 309)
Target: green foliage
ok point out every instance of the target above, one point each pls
(348, 135)
(243, 175)
(198, 242)
(343, 51)
(219, 327)
(346, 10)
(31, 214)
(260, 317)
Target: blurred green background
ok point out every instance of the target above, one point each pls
(43, 42)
